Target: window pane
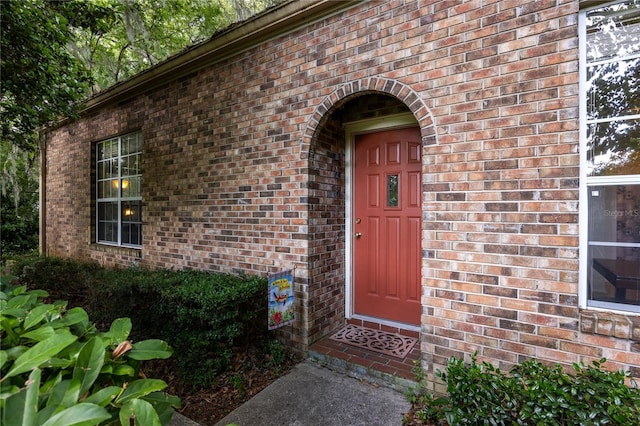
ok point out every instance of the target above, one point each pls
(108, 188)
(392, 191)
(613, 31)
(131, 165)
(108, 149)
(108, 169)
(614, 243)
(613, 148)
(131, 222)
(131, 187)
(108, 222)
(108, 231)
(126, 166)
(114, 168)
(131, 233)
(613, 89)
(114, 186)
(614, 213)
(108, 211)
(131, 211)
(614, 274)
(131, 144)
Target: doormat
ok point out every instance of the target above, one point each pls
(382, 342)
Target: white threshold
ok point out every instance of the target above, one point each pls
(388, 323)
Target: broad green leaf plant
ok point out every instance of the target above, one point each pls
(58, 370)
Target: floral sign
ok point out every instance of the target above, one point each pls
(280, 299)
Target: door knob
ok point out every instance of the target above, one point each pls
(358, 234)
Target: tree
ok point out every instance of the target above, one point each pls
(18, 199)
(614, 92)
(52, 52)
(41, 81)
(146, 32)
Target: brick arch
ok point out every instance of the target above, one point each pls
(372, 85)
(323, 302)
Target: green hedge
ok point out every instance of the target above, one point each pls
(203, 316)
(532, 394)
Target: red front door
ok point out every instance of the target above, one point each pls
(387, 225)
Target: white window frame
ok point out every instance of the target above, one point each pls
(119, 198)
(586, 181)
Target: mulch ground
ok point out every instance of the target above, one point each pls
(207, 406)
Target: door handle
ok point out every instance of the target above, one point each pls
(358, 234)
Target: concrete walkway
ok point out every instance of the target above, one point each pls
(311, 395)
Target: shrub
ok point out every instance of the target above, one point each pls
(532, 394)
(203, 316)
(66, 279)
(57, 369)
(212, 314)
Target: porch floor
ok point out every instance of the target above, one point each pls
(384, 370)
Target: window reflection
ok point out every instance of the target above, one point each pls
(613, 90)
(613, 148)
(614, 213)
(392, 191)
(614, 243)
(613, 31)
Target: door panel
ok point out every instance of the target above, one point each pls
(392, 261)
(387, 225)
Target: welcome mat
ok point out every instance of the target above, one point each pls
(382, 342)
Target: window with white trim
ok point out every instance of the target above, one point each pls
(119, 200)
(610, 132)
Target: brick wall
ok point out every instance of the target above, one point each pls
(243, 170)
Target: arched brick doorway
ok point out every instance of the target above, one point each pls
(378, 99)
